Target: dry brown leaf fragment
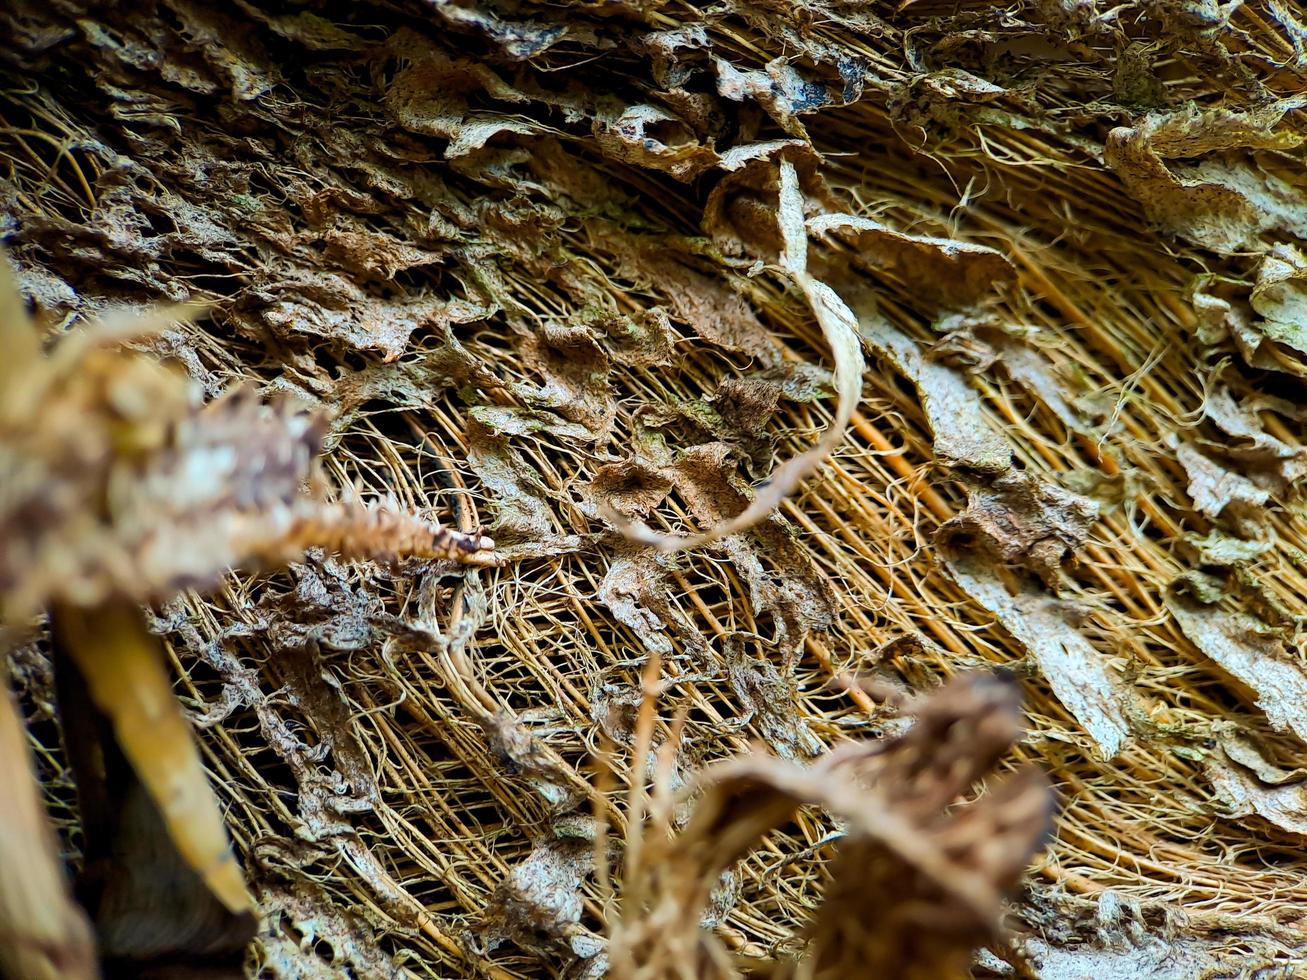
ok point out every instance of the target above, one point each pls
(962, 437)
(1271, 461)
(651, 136)
(770, 702)
(953, 273)
(1288, 15)
(1035, 372)
(785, 585)
(1087, 685)
(786, 92)
(321, 919)
(574, 370)
(1216, 489)
(1243, 788)
(705, 304)
(297, 303)
(431, 93)
(1280, 296)
(541, 897)
(917, 885)
(637, 592)
(1255, 654)
(1223, 550)
(1018, 519)
(517, 496)
(1255, 755)
(1115, 937)
(1269, 341)
(1185, 169)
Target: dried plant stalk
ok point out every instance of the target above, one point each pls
(123, 667)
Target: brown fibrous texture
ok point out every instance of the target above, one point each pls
(525, 264)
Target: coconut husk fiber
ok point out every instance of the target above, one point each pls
(534, 264)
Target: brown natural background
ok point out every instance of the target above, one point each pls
(519, 252)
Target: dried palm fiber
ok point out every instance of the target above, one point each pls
(513, 249)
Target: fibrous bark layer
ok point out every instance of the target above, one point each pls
(527, 258)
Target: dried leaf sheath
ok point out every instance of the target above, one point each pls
(924, 928)
(124, 670)
(152, 912)
(934, 892)
(43, 933)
